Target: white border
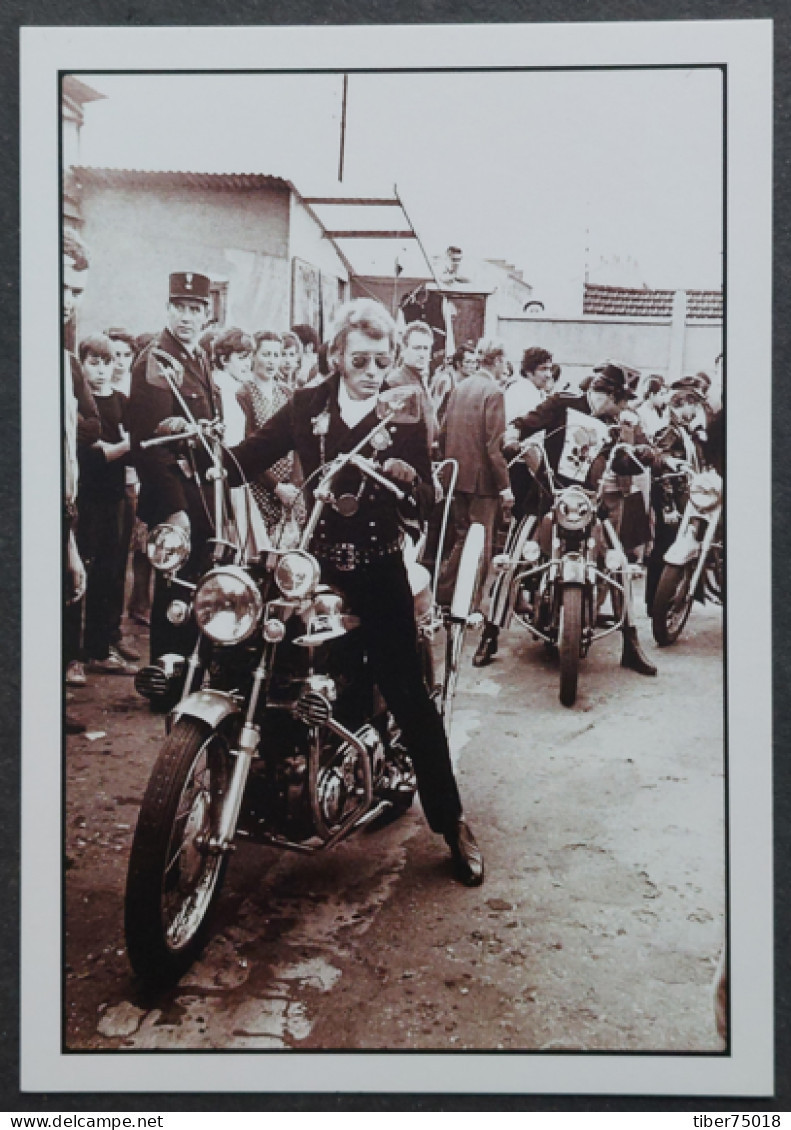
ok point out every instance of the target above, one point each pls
(746, 48)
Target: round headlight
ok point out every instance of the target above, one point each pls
(297, 574)
(531, 550)
(228, 605)
(168, 547)
(574, 509)
(704, 493)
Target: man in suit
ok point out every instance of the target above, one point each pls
(472, 435)
(417, 342)
(171, 485)
(358, 542)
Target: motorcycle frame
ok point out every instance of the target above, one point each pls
(554, 565)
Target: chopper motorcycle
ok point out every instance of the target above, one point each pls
(563, 563)
(279, 736)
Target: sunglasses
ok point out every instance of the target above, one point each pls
(361, 361)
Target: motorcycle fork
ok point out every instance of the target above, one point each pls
(705, 546)
(243, 754)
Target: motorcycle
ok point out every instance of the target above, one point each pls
(560, 567)
(694, 565)
(279, 737)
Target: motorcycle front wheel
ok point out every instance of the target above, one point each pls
(672, 603)
(569, 641)
(174, 879)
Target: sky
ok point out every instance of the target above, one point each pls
(616, 170)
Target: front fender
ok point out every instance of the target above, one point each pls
(684, 549)
(572, 570)
(209, 706)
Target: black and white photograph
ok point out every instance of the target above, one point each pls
(402, 706)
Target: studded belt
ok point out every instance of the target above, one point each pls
(345, 556)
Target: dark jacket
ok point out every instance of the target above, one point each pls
(380, 516)
(551, 415)
(164, 485)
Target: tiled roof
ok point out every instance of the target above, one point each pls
(122, 178)
(625, 302)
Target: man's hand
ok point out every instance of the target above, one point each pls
(77, 573)
(287, 493)
(400, 472)
(171, 426)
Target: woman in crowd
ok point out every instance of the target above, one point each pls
(278, 497)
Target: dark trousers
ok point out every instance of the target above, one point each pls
(99, 541)
(128, 511)
(380, 595)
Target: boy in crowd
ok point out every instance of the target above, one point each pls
(100, 518)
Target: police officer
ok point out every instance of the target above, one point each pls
(358, 542)
(171, 487)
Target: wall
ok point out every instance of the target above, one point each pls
(137, 236)
(577, 344)
(308, 242)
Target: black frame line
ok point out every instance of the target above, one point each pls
(726, 1053)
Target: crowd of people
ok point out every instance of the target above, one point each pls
(270, 387)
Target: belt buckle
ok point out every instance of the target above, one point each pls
(346, 556)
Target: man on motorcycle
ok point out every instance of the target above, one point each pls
(683, 442)
(358, 542)
(572, 460)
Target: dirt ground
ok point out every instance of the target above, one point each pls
(598, 926)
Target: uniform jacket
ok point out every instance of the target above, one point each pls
(164, 485)
(472, 435)
(295, 427)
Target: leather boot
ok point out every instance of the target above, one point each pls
(466, 855)
(487, 648)
(632, 655)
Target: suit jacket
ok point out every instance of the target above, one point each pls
(164, 485)
(295, 427)
(472, 435)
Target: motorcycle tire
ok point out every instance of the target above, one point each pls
(173, 883)
(569, 641)
(672, 603)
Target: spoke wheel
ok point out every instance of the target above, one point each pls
(569, 641)
(174, 880)
(672, 603)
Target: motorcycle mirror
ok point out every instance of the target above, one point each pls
(401, 405)
(163, 371)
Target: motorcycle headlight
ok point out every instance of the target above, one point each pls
(228, 606)
(704, 492)
(167, 547)
(574, 509)
(297, 574)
